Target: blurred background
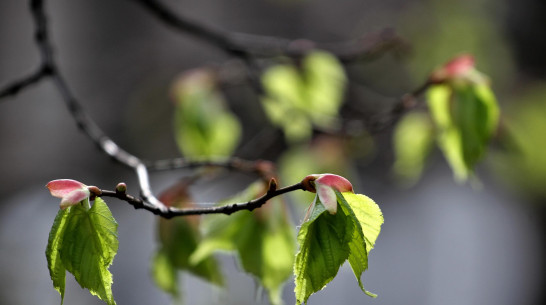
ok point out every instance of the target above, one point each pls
(442, 242)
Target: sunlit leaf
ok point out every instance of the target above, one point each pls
(328, 240)
(413, 139)
(300, 98)
(83, 241)
(263, 240)
(324, 247)
(369, 218)
(325, 82)
(466, 115)
(204, 126)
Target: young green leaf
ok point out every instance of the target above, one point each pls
(83, 241)
(368, 218)
(413, 139)
(164, 273)
(263, 240)
(466, 117)
(57, 271)
(465, 112)
(324, 247)
(178, 239)
(300, 98)
(327, 240)
(204, 126)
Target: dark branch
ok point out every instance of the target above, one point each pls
(84, 122)
(20, 84)
(244, 45)
(170, 212)
(227, 163)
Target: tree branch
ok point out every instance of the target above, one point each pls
(170, 212)
(20, 84)
(244, 45)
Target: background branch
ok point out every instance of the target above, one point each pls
(243, 45)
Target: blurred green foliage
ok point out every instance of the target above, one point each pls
(413, 139)
(522, 161)
(439, 29)
(204, 126)
(465, 116)
(263, 240)
(300, 97)
(178, 239)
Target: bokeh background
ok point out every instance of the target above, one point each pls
(442, 243)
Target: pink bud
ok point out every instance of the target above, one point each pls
(70, 191)
(74, 198)
(457, 67)
(325, 186)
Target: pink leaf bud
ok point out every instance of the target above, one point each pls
(325, 186)
(70, 191)
(456, 68)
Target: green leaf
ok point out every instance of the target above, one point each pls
(325, 81)
(204, 126)
(84, 242)
(413, 139)
(178, 239)
(300, 98)
(164, 273)
(54, 263)
(263, 240)
(324, 246)
(466, 115)
(369, 219)
(327, 241)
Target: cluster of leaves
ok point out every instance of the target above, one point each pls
(178, 239)
(204, 126)
(83, 241)
(339, 225)
(301, 97)
(463, 117)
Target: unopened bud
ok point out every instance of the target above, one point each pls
(94, 190)
(272, 185)
(307, 183)
(121, 187)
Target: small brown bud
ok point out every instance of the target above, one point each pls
(307, 183)
(272, 185)
(121, 187)
(95, 191)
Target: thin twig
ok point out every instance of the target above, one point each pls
(84, 122)
(21, 84)
(170, 212)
